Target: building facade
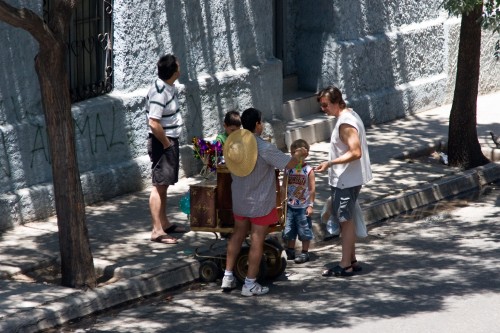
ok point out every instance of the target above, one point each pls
(390, 58)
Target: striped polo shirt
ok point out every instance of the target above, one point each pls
(255, 194)
(162, 104)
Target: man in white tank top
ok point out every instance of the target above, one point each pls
(348, 169)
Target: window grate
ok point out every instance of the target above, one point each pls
(90, 48)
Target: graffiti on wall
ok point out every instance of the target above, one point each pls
(40, 145)
(94, 133)
(97, 132)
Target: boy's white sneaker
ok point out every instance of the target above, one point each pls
(228, 283)
(256, 290)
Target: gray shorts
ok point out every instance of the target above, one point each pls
(343, 200)
(164, 163)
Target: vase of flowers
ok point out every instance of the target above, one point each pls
(209, 152)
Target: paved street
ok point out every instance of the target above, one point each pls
(429, 271)
(131, 267)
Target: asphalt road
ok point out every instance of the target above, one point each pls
(435, 270)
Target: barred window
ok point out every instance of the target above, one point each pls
(90, 48)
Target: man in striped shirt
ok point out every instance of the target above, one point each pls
(165, 125)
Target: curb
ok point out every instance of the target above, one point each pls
(446, 187)
(81, 303)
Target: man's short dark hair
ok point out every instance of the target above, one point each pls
(250, 118)
(167, 66)
(232, 118)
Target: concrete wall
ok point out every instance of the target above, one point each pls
(225, 49)
(390, 58)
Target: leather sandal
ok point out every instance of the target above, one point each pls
(356, 268)
(327, 272)
(342, 271)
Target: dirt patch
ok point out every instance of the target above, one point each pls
(47, 275)
(433, 158)
(438, 155)
(52, 275)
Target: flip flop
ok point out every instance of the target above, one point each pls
(165, 239)
(174, 228)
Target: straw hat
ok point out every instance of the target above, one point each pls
(240, 152)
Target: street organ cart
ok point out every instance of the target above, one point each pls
(211, 211)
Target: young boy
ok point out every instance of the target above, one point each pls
(301, 193)
(232, 122)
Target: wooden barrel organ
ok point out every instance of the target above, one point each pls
(211, 204)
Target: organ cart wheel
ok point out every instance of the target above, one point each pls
(241, 266)
(209, 271)
(276, 264)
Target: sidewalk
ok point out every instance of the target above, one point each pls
(119, 229)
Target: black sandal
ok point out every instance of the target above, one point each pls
(327, 272)
(342, 271)
(356, 268)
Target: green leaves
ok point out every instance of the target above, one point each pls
(491, 11)
(491, 15)
(459, 7)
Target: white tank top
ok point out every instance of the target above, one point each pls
(354, 173)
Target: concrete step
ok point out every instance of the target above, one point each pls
(298, 104)
(304, 119)
(313, 128)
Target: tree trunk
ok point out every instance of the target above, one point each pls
(77, 266)
(464, 150)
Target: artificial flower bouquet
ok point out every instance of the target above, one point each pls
(209, 152)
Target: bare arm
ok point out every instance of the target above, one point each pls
(158, 132)
(349, 135)
(312, 192)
